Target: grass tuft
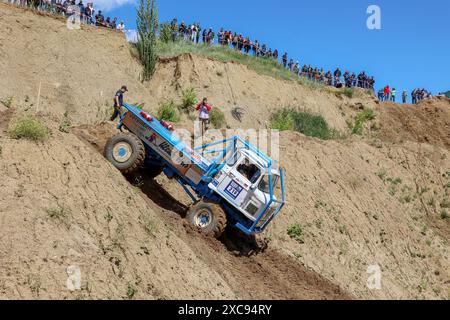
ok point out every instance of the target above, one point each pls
(8, 102)
(361, 118)
(189, 99)
(28, 128)
(217, 118)
(295, 232)
(304, 122)
(65, 125)
(168, 111)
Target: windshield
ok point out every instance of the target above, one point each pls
(264, 185)
(249, 170)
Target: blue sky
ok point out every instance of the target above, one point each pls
(412, 49)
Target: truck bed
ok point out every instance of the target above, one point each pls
(189, 164)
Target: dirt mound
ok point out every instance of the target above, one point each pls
(55, 214)
(426, 122)
(75, 71)
(251, 271)
(363, 204)
(336, 188)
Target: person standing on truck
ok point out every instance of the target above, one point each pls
(118, 102)
(204, 109)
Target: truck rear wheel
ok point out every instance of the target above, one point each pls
(126, 152)
(209, 217)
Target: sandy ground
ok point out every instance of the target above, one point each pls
(375, 200)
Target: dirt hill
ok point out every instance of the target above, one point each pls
(378, 199)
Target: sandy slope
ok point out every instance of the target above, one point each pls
(360, 201)
(64, 205)
(79, 70)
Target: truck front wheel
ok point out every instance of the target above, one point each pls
(209, 217)
(126, 152)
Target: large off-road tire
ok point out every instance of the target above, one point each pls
(209, 217)
(126, 152)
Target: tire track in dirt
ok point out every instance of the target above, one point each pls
(251, 270)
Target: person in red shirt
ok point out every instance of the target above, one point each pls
(387, 93)
(204, 109)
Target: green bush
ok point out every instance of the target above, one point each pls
(167, 33)
(28, 128)
(217, 118)
(295, 232)
(304, 122)
(189, 99)
(347, 92)
(283, 120)
(361, 118)
(168, 111)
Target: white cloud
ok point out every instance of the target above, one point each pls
(131, 35)
(110, 4)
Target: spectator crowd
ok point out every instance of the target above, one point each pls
(195, 33)
(244, 44)
(417, 95)
(67, 8)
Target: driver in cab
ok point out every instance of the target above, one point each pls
(248, 170)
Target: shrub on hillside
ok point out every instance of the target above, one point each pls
(295, 232)
(217, 118)
(168, 111)
(347, 92)
(28, 128)
(283, 119)
(361, 118)
(304, 122)
(189, 99)
(167, 33)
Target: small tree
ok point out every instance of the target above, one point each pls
(167, 33)
(147, 25)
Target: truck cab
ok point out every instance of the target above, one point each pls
(244, 183)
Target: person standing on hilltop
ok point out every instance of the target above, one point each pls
(404, 96)
(387, 93)
(255, 48)
(204, 109)
(121, 26)
(275, 54)
(291, 65)
(381, 95)
(285, 57)
(393, 94)
(337, 76)
(118, 102)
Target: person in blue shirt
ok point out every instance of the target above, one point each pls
(118, 102)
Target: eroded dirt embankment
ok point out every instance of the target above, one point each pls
(251, 269)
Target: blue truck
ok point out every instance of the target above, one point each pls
(230, 182)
